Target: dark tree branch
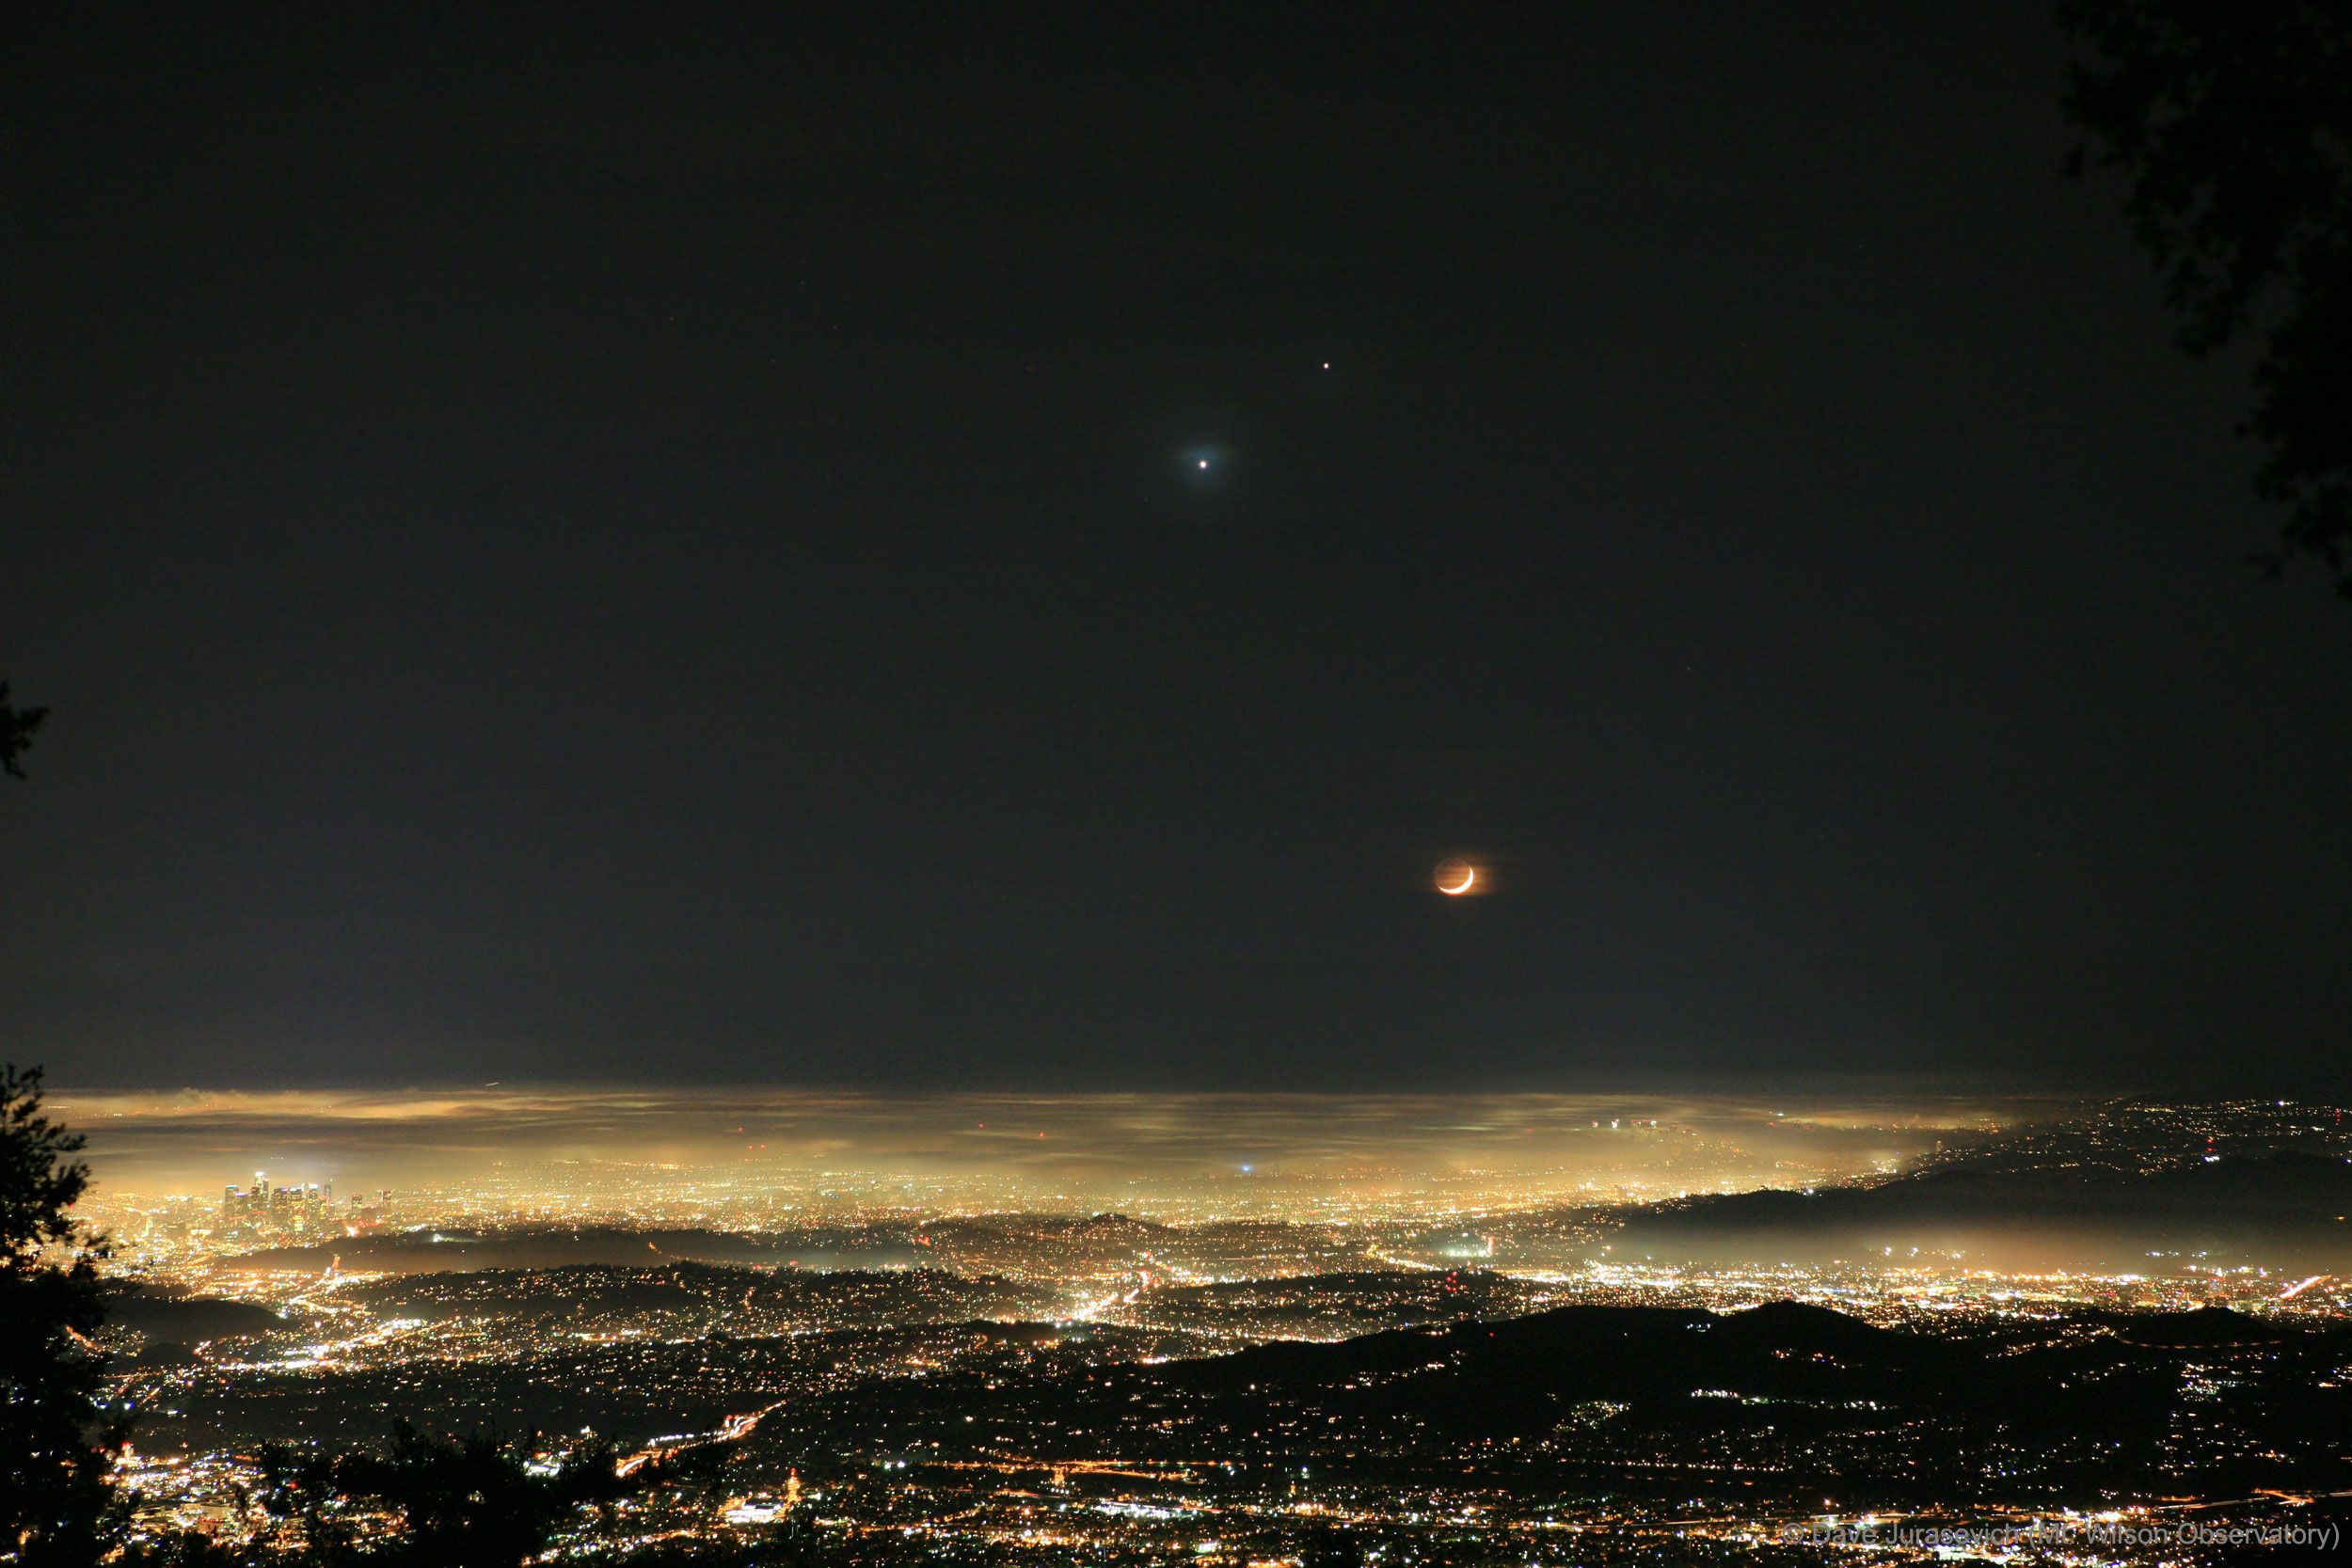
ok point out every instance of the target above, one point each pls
(2232, 121)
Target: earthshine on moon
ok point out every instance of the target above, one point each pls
(1455, 876)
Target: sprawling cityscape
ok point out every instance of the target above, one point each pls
(2112, 1332)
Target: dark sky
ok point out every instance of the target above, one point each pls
(669, 543)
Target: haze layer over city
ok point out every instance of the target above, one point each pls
(1087, 1147)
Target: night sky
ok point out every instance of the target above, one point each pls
(671, 544)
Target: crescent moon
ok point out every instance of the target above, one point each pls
(1470, 875)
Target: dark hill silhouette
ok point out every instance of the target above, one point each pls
(1516, 1369)
(161, 1317)
(2287, 1208)
(1816, 1397)
(2207, 1328)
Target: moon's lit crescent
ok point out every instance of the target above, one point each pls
(1470, 875)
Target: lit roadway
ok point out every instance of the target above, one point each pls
(734, 1429)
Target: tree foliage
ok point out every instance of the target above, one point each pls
(2232, 121)
(57, 1449)
(16, 726)
(433, 1502)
